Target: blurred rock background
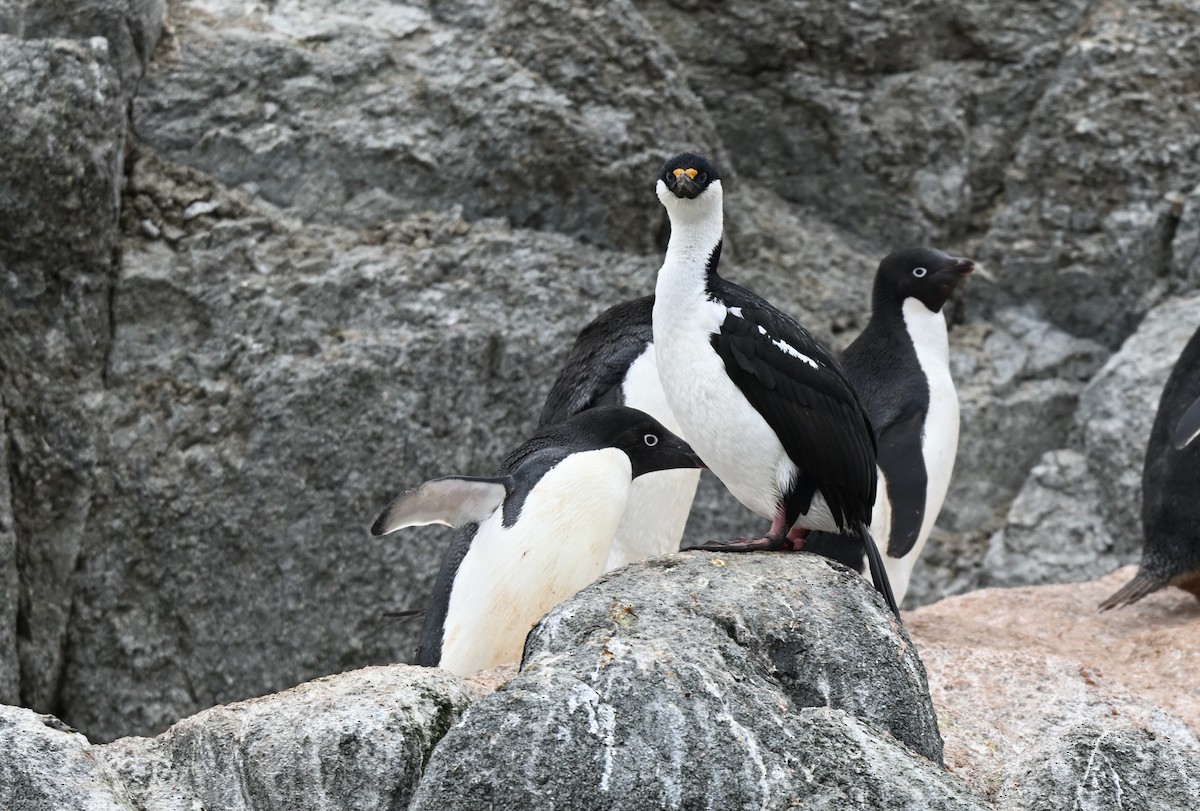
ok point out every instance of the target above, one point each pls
(264, 264)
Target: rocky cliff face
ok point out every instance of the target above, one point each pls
(263, 264)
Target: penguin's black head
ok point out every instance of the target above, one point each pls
(925, 274)
(688, 175)
(645, 440)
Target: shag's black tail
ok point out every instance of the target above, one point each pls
(878, 574)
(1142, 584)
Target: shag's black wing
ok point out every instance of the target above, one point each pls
(602, 354)
(804, 395)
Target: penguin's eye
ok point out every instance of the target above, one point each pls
(651, 440)
(919, 272)
(700, 178)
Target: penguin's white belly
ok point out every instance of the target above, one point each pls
(659, 502)
(939, 446)
(718, 421)
(510, 577)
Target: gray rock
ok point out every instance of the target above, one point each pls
(363, 112)
(1088, 214)
(1054, 531)
(44, 767)
(333, 202)
(1078, 515)
(705, 681)
(894, 120)
(62, 121)
(355, 741)
(1097, 768)
(131, 28)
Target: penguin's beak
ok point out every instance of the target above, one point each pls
(683, 184)
(963, 267)
(672, 453)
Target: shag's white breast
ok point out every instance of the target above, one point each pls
(512, 576)
(727, 432)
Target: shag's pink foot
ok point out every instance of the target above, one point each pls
(763, 544)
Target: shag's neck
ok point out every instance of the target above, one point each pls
(695, 244)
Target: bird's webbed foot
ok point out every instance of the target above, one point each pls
(767, 543)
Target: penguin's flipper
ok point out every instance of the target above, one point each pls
(1188, 427)
(879, 575)
(905, 481)
(1143, 583)
(450, 500)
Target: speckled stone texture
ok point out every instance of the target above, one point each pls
(1014, 670)
(699, 680)
(348, 244)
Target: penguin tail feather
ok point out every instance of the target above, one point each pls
(879, 576)
(1137, 588)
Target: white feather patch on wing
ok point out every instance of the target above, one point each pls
(451, 500)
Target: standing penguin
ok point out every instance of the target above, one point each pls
(531, 536)
(613, 363)
(766, 405)
(1170, 484)
(900, 366)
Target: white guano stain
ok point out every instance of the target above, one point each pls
(602, 723)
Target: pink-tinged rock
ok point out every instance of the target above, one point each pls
(1010, 669)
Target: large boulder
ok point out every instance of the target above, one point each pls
(62, 123)
(701, 680)
(1015, 671)
(355, 741)
(1096, 768)
(47, 766)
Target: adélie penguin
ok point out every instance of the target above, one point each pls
(532, 535)
(765, 404)
(613, 363)
(900, 367)
(1171, 488)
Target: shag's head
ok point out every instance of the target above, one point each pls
(925, 274)
(689, 185)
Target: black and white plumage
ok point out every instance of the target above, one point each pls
(1170, 485)
(532, 535)
(767, 406)
(900, 367)
(613, 363)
